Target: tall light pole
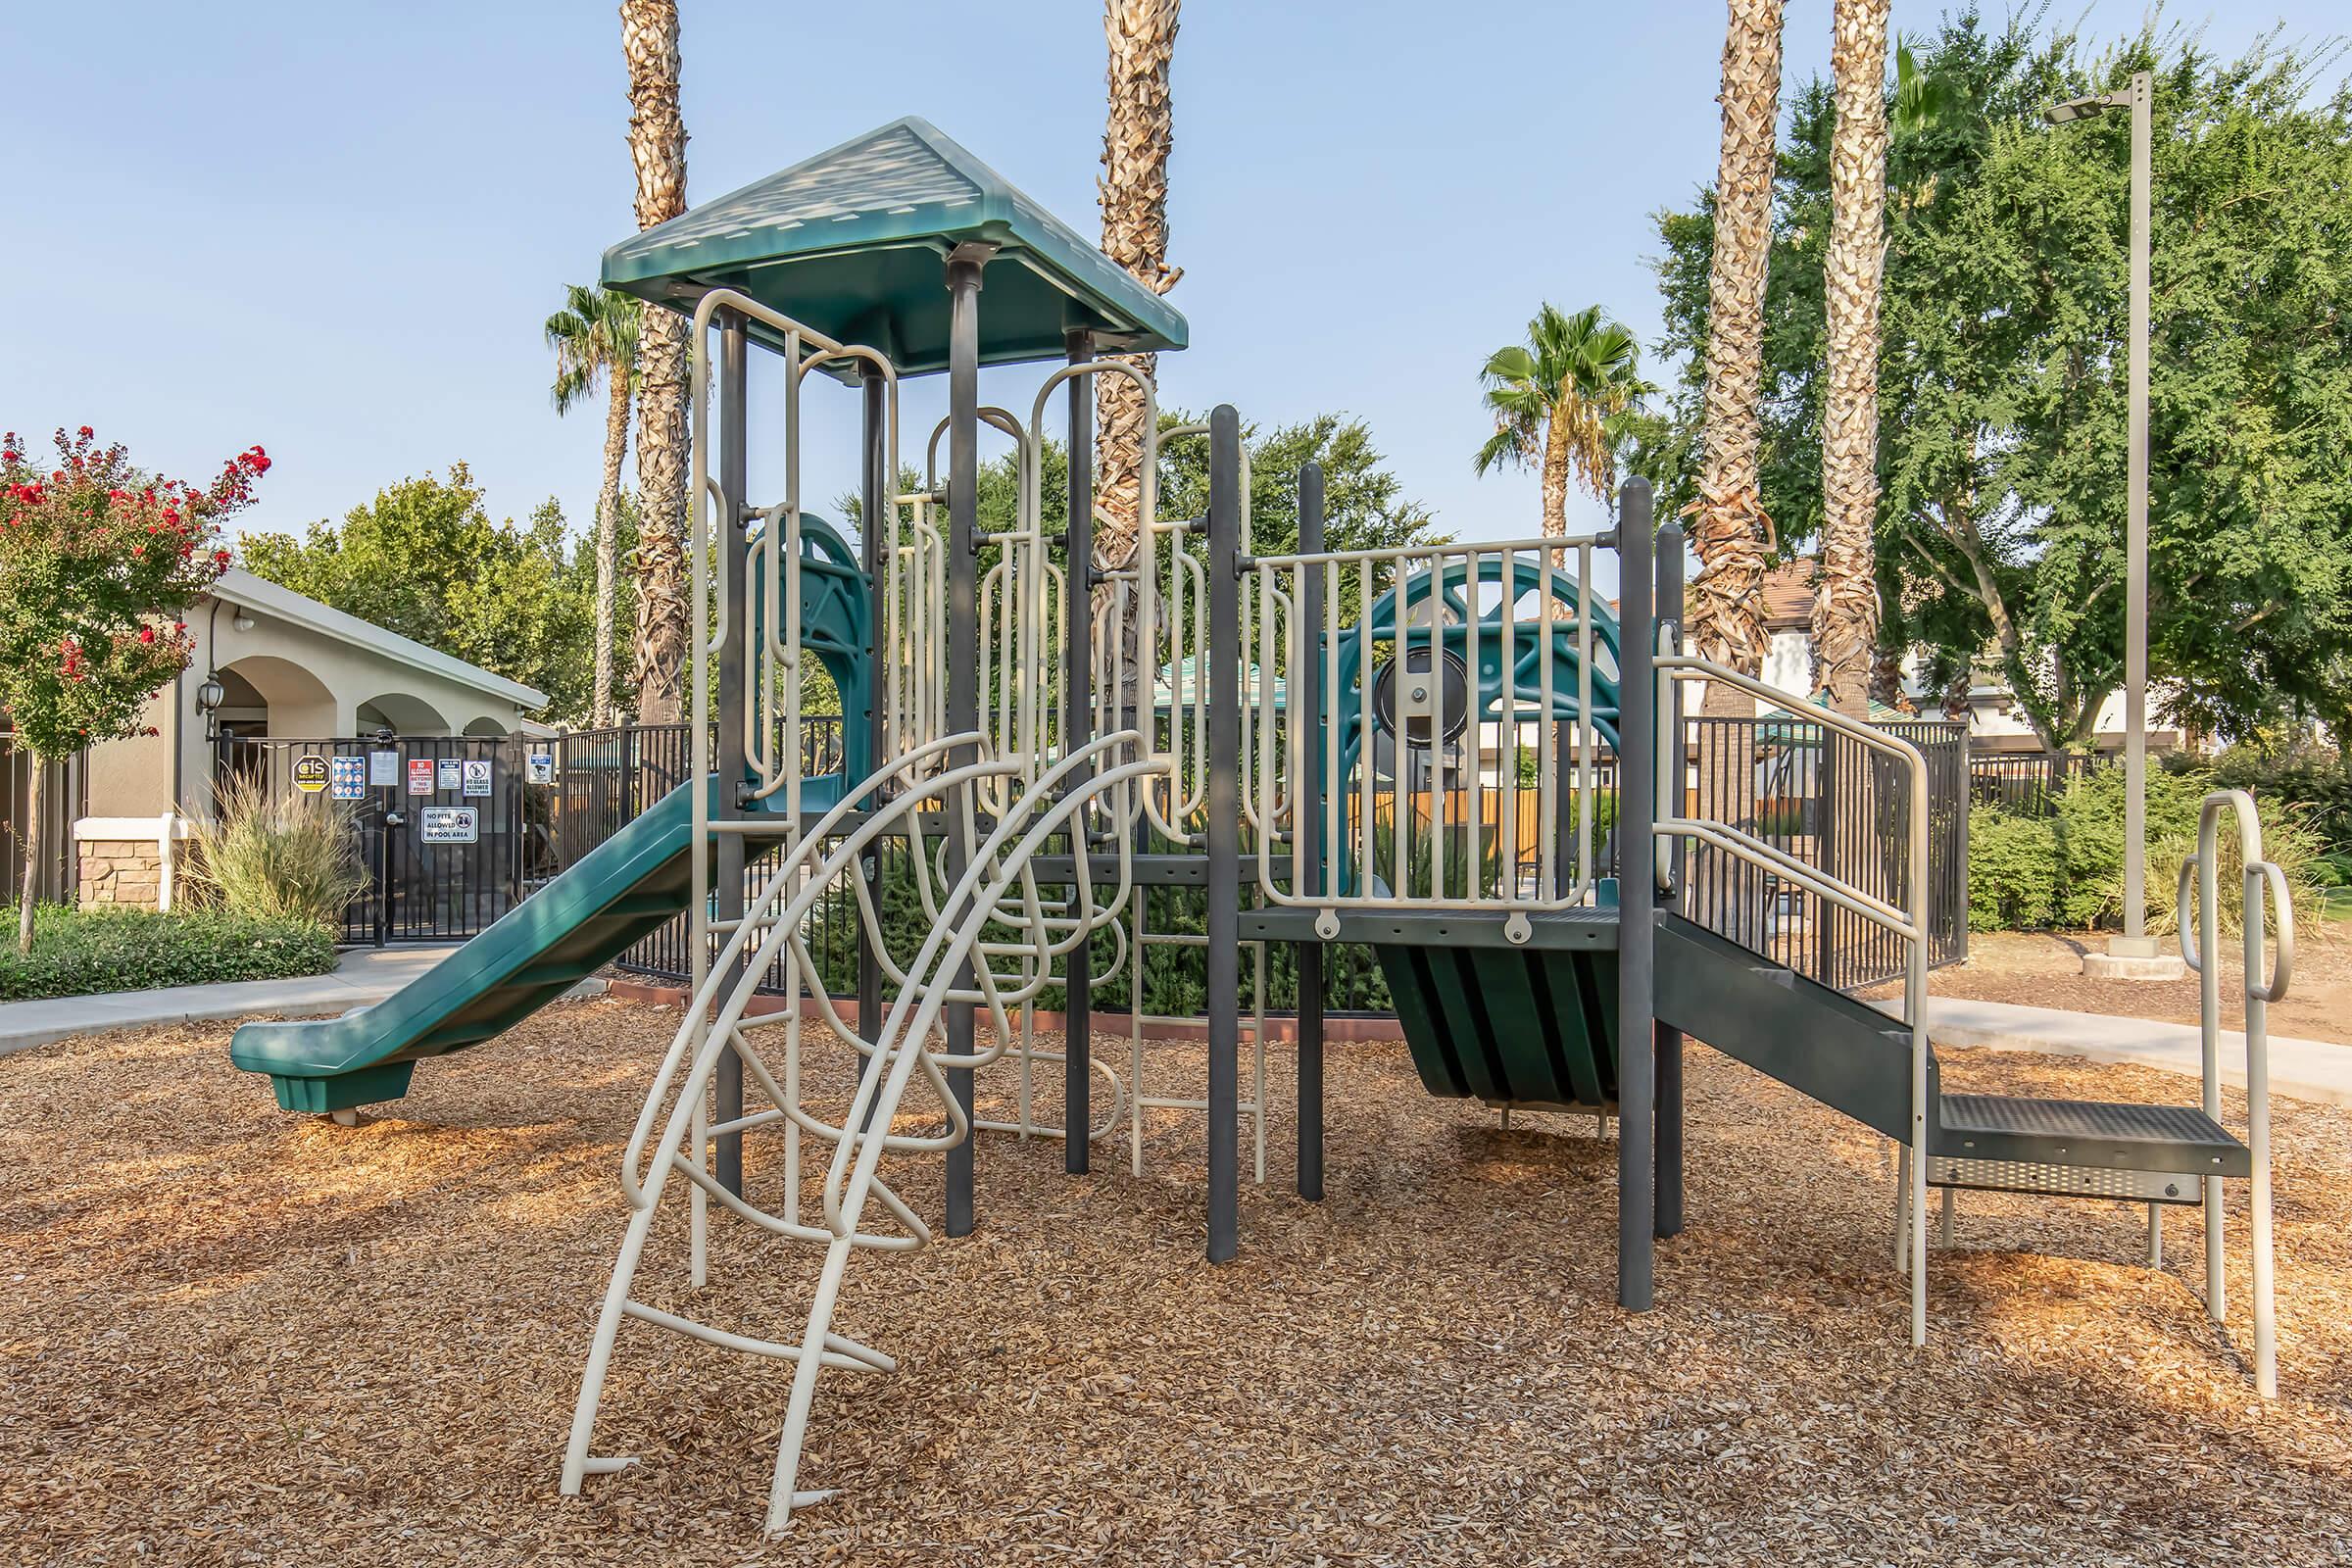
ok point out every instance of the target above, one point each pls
(2133, 955)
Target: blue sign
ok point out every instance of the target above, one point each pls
(347, 778)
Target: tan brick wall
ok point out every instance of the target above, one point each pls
(122, 871)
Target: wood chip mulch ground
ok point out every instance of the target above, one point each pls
(230, 1334)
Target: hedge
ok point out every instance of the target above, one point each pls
(86, 951)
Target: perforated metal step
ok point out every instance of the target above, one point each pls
(2081, 1137)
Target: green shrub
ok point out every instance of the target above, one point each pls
(2013, 870)
(274, 856)
(2066, 870)
(2311, 779)
(87, 952)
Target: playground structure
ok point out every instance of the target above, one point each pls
(1398, 746)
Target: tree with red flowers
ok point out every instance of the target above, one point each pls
(98, 561)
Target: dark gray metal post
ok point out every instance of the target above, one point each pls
(1963, 797)
(1306, 722)
(963, 653)
(873, 526)
(734, 688)
(1077, 728)
(1224, 831)
(1668, 613)
(1637, 893)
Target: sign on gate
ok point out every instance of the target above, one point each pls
(347, 777)
(420, 776)
(446, 773)
(477, 776)
(449, 824)
(309, 773)
(383, 769)
(542, 768)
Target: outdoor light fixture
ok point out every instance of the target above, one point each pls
(211, 694)
(243, 622)
(2135, 953)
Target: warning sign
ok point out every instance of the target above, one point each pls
(309, 773)
(349, 776)
(446, 773)
(477, 776)
(420, 776)
(383, 769)
(541, 766)
(449, 824)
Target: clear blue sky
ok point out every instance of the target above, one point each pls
(335, 229)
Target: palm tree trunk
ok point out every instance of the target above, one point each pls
(607, 525)
(1845, 608)
(30, 841)
(649, 37)
(1733, 534)
(1136, 142)
(1556, 453)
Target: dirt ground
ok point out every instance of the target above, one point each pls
(2044, 969)
(230, 1334)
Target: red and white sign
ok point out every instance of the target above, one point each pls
(420, 776)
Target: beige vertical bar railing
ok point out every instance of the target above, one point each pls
(2263, 897)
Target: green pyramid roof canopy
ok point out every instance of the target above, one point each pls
(852, 242)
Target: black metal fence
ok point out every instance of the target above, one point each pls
(451, 843)
(47, 854)
(2028, 783)
(1829, 803)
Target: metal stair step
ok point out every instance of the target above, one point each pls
(2080, 1147)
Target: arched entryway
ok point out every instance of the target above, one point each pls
(402, 715)
(262, 699)
(261, 695)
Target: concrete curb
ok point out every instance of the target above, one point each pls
(360, 977)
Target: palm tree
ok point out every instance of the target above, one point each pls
(1733, 535)
(595, 339)
(1134, 193)
(649, 37)
(1845, 602)
(1560, 403)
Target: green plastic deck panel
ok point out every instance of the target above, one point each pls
(854, 242)
(1511, 1026)
(622, 890)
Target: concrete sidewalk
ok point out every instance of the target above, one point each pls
(2300, 1069)
(360, 976)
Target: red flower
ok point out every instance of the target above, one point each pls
(87, 432)
(146, 634)
(220, 558)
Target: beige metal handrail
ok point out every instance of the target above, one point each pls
(2264, 891)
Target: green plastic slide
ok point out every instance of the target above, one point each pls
(622, 890)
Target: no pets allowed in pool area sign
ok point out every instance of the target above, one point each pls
(449, 824)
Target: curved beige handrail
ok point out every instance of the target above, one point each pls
(2264, 899)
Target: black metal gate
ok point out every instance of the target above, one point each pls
(449, 828)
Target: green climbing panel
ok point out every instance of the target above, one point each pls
(1521, 1026)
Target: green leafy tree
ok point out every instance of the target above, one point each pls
(2002, 372)
(98, 561)
(426, 560)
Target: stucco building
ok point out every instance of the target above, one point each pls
(269, 664)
